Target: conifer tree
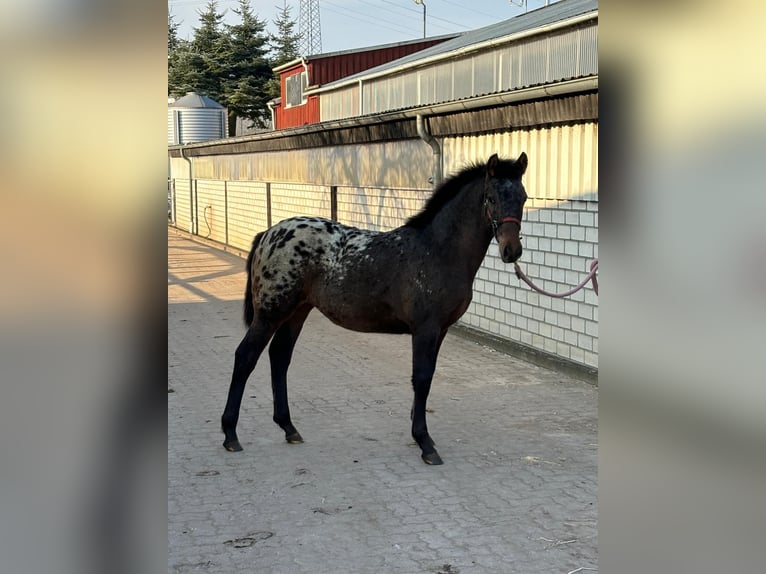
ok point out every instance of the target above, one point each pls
(245, 68)
(178, 65)
(285, 44)
(232, 63)
(205, 62)
(173, 39)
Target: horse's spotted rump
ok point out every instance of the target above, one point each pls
(297, 246)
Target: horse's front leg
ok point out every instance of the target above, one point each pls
(425, 349)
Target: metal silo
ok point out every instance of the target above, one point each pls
(196, 118)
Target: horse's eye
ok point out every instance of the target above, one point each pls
(491, 200)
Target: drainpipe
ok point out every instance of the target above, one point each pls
(191, 191)
(436, 179)
(361, 98)
(270, 105)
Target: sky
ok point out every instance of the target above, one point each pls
(351, 24)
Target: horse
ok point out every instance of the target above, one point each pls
(416, 279)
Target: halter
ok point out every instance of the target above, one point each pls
(495, 223)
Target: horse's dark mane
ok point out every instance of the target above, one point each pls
(452, 186)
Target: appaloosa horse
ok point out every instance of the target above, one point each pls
(415, 279)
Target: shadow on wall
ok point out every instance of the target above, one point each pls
(379, 209)
(403, 164)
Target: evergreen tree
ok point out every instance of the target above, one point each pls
(285, 45)
(286, 42)
(209, 33)
(246, 69)
(186, 71)
(173, 47)
(173, 39)
(183, 64)
(204, 66)
(230, 63)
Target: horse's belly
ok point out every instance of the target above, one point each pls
(362, 314)
(459, 310)
(367, 324)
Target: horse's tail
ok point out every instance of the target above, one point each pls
(249, 310)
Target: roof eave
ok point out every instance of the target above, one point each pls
(287, 65)
(562, 88)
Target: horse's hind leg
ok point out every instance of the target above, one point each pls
(280, 354)
(245, 359)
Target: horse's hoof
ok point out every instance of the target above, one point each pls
(294, 438)
(432, 458)
(232, 445)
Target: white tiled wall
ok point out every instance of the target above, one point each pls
(211, 207)
(378, 208)
(292, 199)
(560, 239)
(183, 210)
(247, 212)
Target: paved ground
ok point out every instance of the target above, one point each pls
(517, 492)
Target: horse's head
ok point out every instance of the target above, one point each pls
(504, 198)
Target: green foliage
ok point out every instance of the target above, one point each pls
(196, 65)
(206, 59)
(209, 33)
(182, 71)
(232, 63)
(286, 42)
(180, 78)
(244, 48)
(285, 45)
(173, 39)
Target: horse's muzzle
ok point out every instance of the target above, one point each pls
(509, 242)
(510, 254)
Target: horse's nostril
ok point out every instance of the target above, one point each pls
(511, 254)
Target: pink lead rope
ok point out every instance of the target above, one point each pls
(520, 274)
(590, 277)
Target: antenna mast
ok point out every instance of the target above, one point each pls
(310, 28)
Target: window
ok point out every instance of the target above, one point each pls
(294, 86)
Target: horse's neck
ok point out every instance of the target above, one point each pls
(463, 230)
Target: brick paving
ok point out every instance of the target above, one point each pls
(517, 492)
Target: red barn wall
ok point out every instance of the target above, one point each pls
(325, 69)
(331, 68)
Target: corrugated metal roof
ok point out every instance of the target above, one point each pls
(326, 69)
(195, 100)
(363, 49)
(381, 46)
(550, 14)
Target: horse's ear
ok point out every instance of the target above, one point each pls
(492, 165)
(521, 163)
